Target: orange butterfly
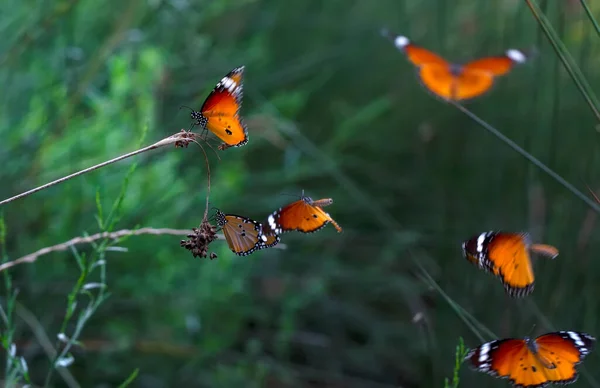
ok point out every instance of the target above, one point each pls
(506, 255)
(220, 111)
(244, 235)
(456, 82)
(305, 215)
(533, 362)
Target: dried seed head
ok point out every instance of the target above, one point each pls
(200, 239)
(186, 138)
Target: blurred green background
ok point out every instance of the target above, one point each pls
(332, 108)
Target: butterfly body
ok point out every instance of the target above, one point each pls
(452, 81)
(220, 113)
(244, 236)
(533, 362)
(506, 255)
(305, 215)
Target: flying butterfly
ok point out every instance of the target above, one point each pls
(305, 215)
(456, 82)
(244, 235)
(506, 255)
(220, 113)
(533, 362)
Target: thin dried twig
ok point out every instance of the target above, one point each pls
(179, 137)
(207, 177)
(32, 257)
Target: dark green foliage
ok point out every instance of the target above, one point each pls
(461, 352)
(332, 108)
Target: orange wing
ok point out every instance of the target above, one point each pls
(477, 77)
(441, 81)
(499, 358)
(456, 82)
(509, 259)
(434, 71)
(550, 358)
(563, 350)
(220, 111)
(304, 216)
(506, 256)
(422, 57)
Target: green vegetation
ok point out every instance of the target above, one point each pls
(332, 108)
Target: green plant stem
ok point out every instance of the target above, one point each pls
(529, 157)
(588, 11)
(566, 59)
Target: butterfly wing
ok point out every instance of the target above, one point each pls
(439, 79)
(434, 71)
(243, 235)
(477, 77)
(471, 83)
(498, 358)
(221, 110)
(513, 359)
(498, 65)
(563, 350)
(419, 56)
(473, 249)
(507, 256)
(443, 79)
(300, 216)
(269, 240)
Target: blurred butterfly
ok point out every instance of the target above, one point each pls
(533, 362)
(506, 255)
(452, 81)
(305, 215)
(220, 111)
(244, 235)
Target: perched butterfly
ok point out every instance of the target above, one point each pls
(220, 111)
(452, 81)
(533, 362)
(244, 235)
(506, 255)
(305, 215)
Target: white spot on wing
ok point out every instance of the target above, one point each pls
(516, 55)
(484, 353)
(480, 241)
(229, 84)
(401, 41)
(575, 337)
(271, 221)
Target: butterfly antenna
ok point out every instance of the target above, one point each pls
(291, 195)
(386, 33)
(531, 330)
(185, 106)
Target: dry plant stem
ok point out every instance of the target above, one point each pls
(166, 141)
(208, 179)
(32, 257)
